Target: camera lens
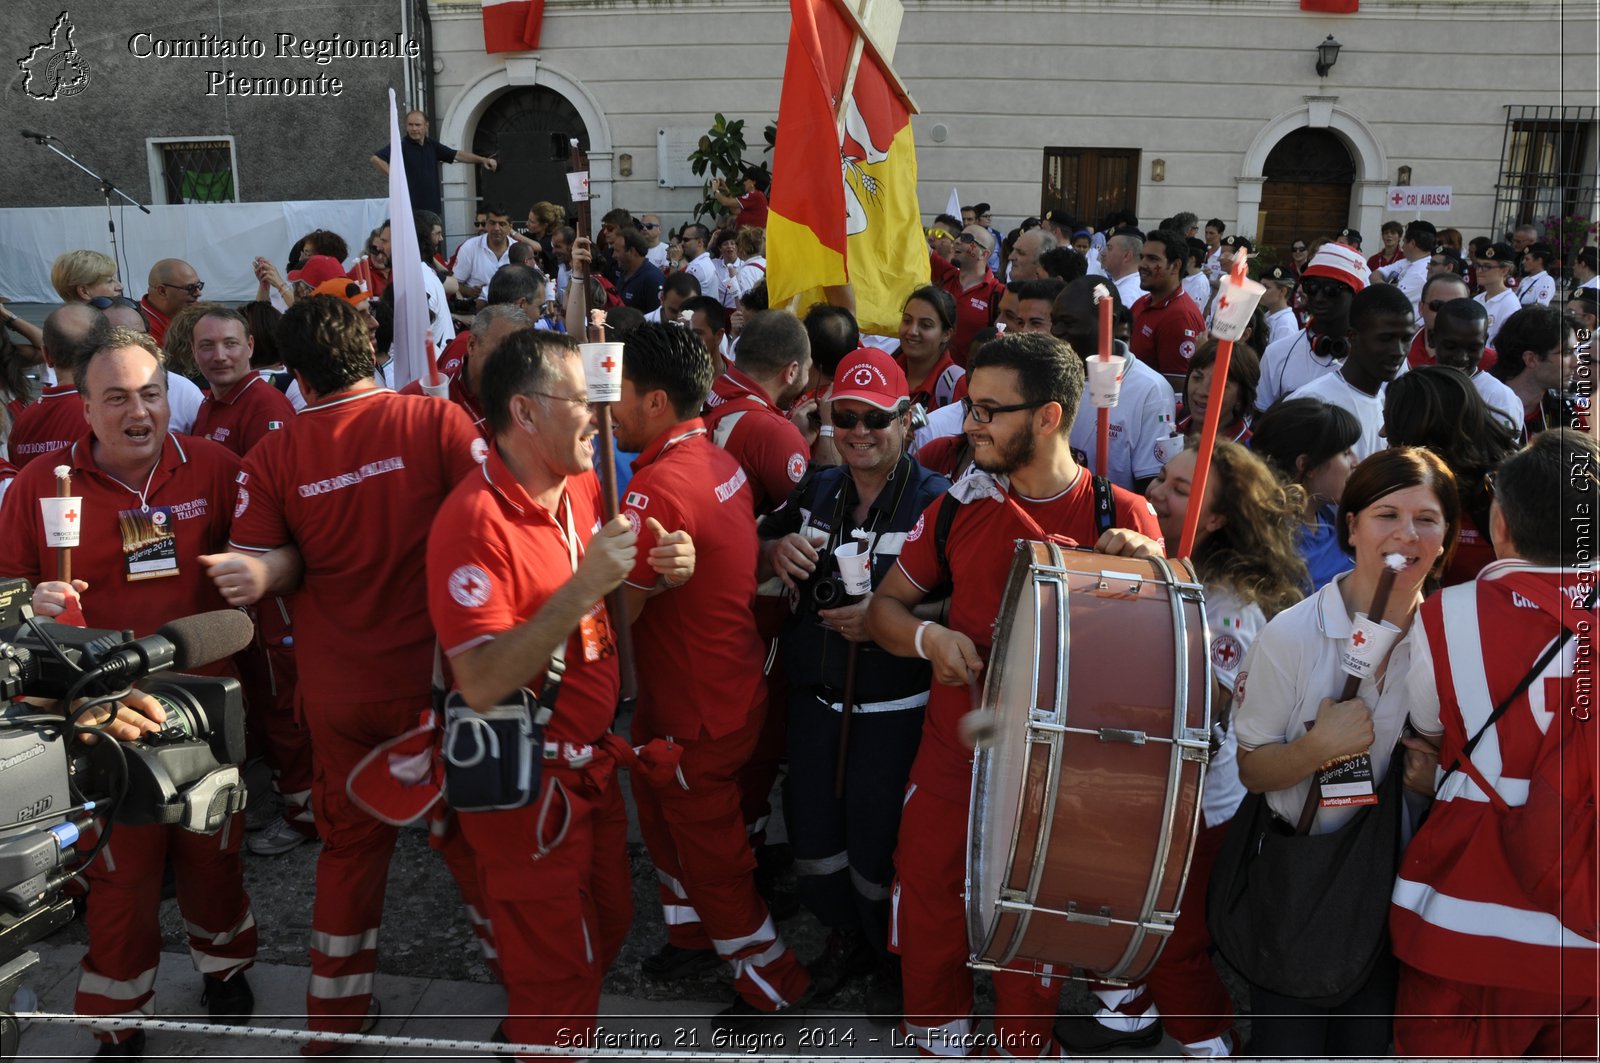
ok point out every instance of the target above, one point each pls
(828, 592)
(186, 719)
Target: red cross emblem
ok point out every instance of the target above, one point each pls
(609, 364)
(1359, 638)
(1222, 303)
(70, 515)
(1397, 199)
(469, 586)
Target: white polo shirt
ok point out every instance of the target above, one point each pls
(1288, 365)
(1335, 390)
(1409, 277)
(476, 263)
(1234, 627)
(1128, 289)
(703, 269)
(1537, 289)
(1500, 308)
(1293, 665)
(1500, 399)
(1143, 416)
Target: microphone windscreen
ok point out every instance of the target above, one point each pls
(207, 637)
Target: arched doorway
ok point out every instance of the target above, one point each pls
(1307, 192)
(527, 129)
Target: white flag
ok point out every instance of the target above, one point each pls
(405, 262)
(953, 208)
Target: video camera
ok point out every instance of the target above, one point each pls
(53, 782)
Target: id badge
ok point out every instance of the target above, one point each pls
(149, 547)
(1348, 781)
(599, 641)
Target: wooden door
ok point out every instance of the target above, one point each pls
(1307, 192)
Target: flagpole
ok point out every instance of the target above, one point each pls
(616, 602)
(1208, 434)
(1102, 418)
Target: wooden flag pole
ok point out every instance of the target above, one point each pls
(606, 450)
(1208, 434)
(1102, 419)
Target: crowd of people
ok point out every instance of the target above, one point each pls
(418, 563)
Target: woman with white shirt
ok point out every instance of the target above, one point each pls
(1399, 501)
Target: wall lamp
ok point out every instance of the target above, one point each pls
(1327, 55)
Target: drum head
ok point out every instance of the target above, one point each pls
(1001, 765)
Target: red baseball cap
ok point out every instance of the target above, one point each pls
(870, 376)
(318, 268)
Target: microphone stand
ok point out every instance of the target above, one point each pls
(106, 188)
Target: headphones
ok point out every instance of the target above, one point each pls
(1335, 348)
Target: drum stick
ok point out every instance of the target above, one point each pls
(64, 553)
(1102, 419)
(844, 722)
(1208, 434)
(1392, 563)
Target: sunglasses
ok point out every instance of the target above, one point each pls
(649, 225)
(968, 238)
(1321, 287)
(193, 289)
(1298, 248)
(876, 420)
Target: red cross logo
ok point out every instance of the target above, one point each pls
(469, 586)
(70, 515)
(609, 364)
(1358, 639)
(1222, 303)
(1397, 199)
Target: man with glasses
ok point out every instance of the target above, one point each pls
(844, 845)
(1023, 398)
(519, 563)
(480, 256)
(173, 285)
(974, 287)
(650, 225)
(1439, 289)
(697, 259)
(1493, 271)
(1328, 284)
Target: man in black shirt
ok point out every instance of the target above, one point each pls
(423, 154)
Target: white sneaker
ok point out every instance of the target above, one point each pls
(276, 839)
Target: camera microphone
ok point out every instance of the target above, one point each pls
(187, 642)
(31, 135)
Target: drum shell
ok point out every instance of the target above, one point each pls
(1086, 804)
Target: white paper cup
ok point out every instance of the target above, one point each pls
(1235, 303)
(1169, 448)
(855, 567)
(578, 186)
(602, 370)
(63, 517)
(1105, 381)
(1367, 646)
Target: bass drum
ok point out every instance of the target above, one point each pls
(1086, 800)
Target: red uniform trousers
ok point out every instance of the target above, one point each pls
(1184, 985)
(353, 867)
(558, 894)
(927, 928)
(695, 833)
(1447, 1019)
(267, 669)
(123, 916)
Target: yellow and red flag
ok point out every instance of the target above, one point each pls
(856, 220)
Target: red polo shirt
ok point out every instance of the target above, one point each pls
(979, 552)
(1419, 354)
(190, 495)
(495, 556)
(1164, 334)
(976, 308)
(940, 387)
(766, 443)
(238, 419)
(355, 486)
(752, 210)
(158, 320)
(55, 421)
(698, 652)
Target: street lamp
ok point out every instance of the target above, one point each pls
(1327, 55)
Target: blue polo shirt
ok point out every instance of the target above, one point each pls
(815, 655)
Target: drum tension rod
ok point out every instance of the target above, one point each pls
(1075, 916)
(1118, 734)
